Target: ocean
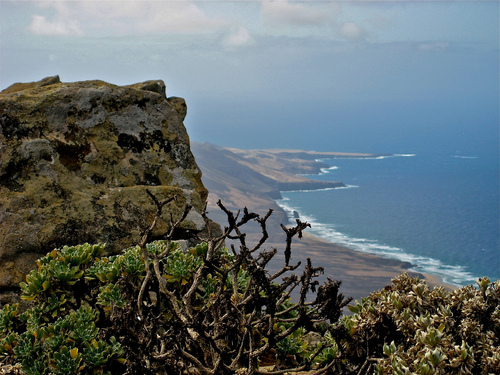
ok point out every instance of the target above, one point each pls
(437, 210)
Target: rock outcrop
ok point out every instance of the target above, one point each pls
(76, 160)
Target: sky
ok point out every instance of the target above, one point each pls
(361, 76)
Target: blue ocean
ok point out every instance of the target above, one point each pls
(437, 210)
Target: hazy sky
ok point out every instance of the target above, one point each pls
(380, 76)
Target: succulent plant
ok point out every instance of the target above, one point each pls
(7, 315)
(104, 270)
(330, 350)
(409, 328)
(37, 282)
(180, 266)
(132, 263)
(110, 296)
(52, 335)
(293, 344)
(220, 311)
(62, 347)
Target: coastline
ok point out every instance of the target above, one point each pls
(360, 273)
(252, 179)
(383, 269)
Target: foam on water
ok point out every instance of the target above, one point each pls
(464, 157)
(436, 211)
(456, 275)
(323, 189)
(379, 157)
(328, 170)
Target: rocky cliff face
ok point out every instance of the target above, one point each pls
(75, 161)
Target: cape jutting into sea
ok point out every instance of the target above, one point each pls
(439, 212)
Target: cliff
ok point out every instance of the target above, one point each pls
(76, 160)
(251, 177)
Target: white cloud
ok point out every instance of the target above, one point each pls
(174, 17)
(296, 14)
(238, 37)
(106, 18)
(62, 23)
(41, 26)
(351, 31)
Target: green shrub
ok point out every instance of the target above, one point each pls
(212, 309)
(58, 335)
(158, 309)
(408, 328)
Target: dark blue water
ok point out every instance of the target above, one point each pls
(438, 211)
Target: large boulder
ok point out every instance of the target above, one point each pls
(76, 160)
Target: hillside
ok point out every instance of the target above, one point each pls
(261, 174)
(254, 178)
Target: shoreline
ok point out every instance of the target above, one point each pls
(251, 178)
(410, 267)
(432, 280)
(360, 273)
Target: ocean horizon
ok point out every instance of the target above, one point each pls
(437, 211)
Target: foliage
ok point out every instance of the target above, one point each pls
(407, 328)
(158, 308)
(59, 334)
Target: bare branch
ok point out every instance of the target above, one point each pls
(290, 233)
(144, 239)
(225, 324)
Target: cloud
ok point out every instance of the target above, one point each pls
(62, 23)
(116, 18)
(351, 31)
(328, 19)
(238, 37)
(433, 46)
(296, 14)
(41, 26)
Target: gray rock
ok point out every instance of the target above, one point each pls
(76, 160)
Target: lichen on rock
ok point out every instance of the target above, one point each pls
(76, 160)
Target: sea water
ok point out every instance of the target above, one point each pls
(438, 211)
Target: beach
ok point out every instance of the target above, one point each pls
(359, 272)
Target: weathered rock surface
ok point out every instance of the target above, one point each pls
(76, 160)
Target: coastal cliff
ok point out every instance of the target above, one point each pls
(246, 177)
(76, 160)
(254, 179)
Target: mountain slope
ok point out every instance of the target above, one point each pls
(253, 179)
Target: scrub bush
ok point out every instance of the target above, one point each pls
(159, 309)
(408, 328)
(59, 333)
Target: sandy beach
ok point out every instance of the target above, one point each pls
(360, 273)
(242, 178)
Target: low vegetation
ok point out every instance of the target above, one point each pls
(159, 308)
(407, 328)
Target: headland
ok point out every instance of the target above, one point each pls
(255, 178)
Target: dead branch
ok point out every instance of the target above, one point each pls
(237, 323)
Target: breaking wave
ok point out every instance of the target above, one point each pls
(455, 275)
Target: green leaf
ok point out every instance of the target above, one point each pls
(46, 285)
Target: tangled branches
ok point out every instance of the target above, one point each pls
(158, 308)
(229, 313)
